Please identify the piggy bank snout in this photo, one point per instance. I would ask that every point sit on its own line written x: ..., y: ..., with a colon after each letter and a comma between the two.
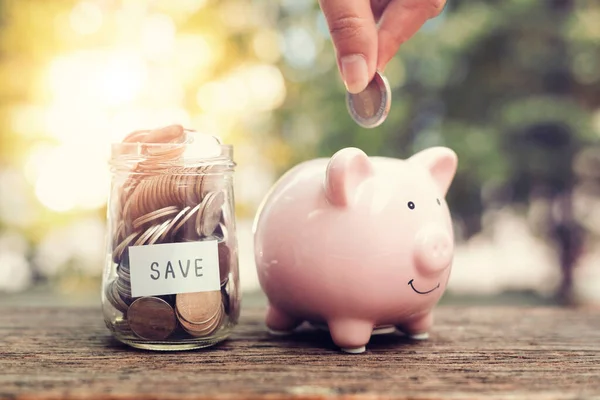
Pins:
x: 433, y: 251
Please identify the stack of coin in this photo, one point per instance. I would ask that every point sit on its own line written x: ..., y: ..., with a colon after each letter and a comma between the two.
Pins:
x: 177, y: 222
x: 200, y: 314
x: 114, y: 297
x: 162, y: 202
x: 123, y: 282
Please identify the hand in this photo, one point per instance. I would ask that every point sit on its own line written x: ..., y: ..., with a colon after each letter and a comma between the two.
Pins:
x: 367, y: 33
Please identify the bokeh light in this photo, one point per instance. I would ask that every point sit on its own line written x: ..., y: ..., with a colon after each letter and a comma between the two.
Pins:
x: 512, y: 87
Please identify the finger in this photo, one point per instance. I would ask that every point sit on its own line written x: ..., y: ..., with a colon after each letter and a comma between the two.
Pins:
x: 378, y: 6
x: 354, y: 35
x: 400, y: 21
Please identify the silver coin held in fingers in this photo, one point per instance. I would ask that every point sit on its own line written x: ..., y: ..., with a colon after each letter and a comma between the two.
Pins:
x: 370, y: 107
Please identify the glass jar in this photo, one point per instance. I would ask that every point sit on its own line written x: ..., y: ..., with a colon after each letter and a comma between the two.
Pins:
x: 171, y: 277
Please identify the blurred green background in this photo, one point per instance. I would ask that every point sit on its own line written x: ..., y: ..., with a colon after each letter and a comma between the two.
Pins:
x: 513, y: 86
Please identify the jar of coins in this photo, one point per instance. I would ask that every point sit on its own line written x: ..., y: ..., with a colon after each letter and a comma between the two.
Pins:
x: 171, y: 275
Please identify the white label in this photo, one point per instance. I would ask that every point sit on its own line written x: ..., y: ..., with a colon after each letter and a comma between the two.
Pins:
x: 172, y: 268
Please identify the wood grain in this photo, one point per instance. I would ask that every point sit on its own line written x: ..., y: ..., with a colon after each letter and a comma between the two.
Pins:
x: 486, y: 352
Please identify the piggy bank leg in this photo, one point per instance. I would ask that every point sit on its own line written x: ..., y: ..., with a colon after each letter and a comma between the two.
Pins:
x: 351, y: 335
x: 418, y: 328
x: 279, y: 323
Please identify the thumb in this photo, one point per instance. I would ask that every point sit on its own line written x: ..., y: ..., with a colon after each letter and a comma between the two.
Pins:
x: 400, y: 21
x: 354, y: 34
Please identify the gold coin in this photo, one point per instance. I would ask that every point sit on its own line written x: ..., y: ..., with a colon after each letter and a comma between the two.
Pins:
x: 198, y: 307
x: 151, y: 318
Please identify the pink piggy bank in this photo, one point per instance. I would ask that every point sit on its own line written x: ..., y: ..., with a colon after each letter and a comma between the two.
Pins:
x: 357, y: 244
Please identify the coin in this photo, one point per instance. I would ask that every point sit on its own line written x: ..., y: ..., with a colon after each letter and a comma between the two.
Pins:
x: 155, y: 215
x: 208, y: 220
x: 224, y: 260
x: 197, y: 325
x: 370, y: 107
x: 199, y: 181
x: 198, y: 307
x: 154, y: 239
x: 211, y: 183
x: 233, y: 294
x: 212, y: 326
x: 225, y: 297
x: 167, y: 134
x: 118, y: 234
x: 120, y: 249
x: 113, y: 297
x: 185, y: 219
x: 203, y: 329
x: 122, y: 326
x: 123, y: 274
x: 146, y: 235
x: 151, y: 318
x: 167, y: 231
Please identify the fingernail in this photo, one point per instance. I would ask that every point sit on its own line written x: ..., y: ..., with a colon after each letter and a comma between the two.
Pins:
x: 355, y: 73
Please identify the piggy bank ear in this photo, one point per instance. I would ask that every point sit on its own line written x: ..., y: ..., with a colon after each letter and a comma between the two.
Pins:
x: 346, y: 170
x: 441, y: 162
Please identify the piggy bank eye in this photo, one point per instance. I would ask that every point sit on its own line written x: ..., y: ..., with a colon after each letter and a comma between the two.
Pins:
x: 439, y: 202
x: 411, y: 205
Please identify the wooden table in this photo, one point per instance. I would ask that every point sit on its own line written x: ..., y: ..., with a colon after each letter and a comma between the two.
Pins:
x: 486, y: 352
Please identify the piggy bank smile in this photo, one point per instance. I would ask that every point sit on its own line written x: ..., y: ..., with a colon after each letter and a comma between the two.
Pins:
x: 410, y: 283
